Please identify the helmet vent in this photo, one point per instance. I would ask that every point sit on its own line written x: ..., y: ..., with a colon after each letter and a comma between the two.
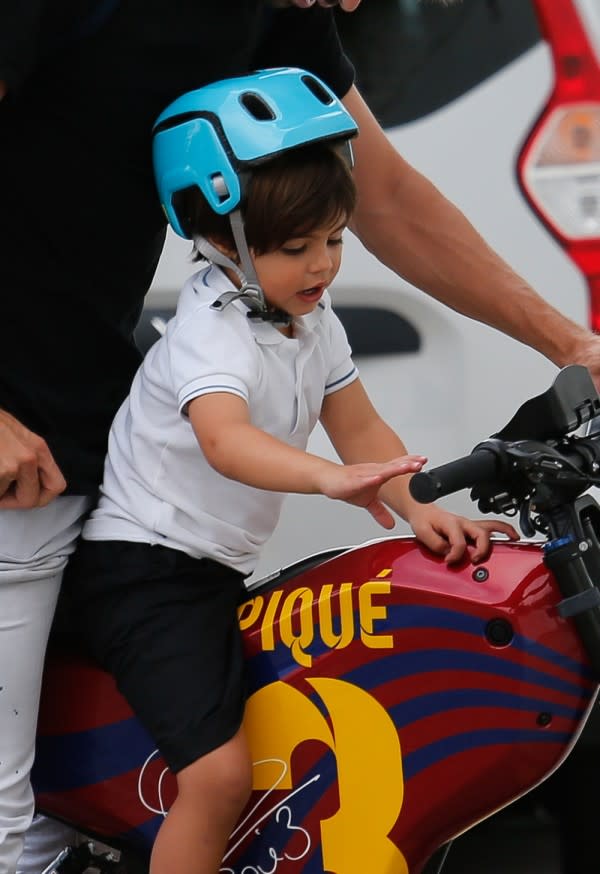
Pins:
x: 257, y: 107
x: 317, y: 90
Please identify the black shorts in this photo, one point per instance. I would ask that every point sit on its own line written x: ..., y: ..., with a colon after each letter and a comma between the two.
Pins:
x: 165, y: 625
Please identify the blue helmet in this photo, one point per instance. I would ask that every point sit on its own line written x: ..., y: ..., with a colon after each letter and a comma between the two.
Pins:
x: 211, y: 137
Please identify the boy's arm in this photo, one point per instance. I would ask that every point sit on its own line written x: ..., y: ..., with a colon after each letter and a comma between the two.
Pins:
x: 358, y: 432
x: 239, y: 451
x: 242, y: 452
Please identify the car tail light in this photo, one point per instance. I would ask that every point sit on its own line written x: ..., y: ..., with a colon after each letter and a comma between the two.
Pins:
x: 559, y: 166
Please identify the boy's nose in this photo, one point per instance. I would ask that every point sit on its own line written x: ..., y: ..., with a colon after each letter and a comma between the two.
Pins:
x: 322, y: 261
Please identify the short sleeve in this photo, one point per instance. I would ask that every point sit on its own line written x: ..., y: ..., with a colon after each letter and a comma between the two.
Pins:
x: 342, y: 371
x: 306, y: 38
x: 212, y: 351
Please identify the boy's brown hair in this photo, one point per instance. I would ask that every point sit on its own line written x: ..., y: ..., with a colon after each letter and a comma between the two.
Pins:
x: 288, y: 196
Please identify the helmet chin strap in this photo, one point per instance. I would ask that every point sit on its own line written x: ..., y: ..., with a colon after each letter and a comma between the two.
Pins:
x: 250, y: 291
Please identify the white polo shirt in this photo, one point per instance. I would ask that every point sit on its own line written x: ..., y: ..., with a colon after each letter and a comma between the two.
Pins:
x: 158, y: 487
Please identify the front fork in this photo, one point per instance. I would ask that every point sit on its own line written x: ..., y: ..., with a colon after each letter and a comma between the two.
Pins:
x: 573, y: 556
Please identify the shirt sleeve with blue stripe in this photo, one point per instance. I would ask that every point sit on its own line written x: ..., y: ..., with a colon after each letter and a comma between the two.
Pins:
x: 209, y: 352
x: 343, y: 371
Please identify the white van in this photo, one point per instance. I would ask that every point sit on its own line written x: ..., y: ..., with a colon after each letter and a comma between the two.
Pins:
x: 498, y: 102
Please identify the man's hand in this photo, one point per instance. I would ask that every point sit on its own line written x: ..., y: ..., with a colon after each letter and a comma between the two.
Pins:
x: 359, y: 484
x: 587, y: 353
x: 29, y: 476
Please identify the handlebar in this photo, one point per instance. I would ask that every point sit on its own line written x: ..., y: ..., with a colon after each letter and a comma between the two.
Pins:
x: 539, y: 467
x: 507, y: 476
x: 536, y: 458
x: 481, y: 466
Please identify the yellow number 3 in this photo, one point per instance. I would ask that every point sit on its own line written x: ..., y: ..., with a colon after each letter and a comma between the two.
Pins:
x: 369, y: 767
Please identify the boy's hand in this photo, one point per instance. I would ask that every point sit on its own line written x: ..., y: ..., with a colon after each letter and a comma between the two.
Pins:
x: 450, y: 535
x: 359, y: 484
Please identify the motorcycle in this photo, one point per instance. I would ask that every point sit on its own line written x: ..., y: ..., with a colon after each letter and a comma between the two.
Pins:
x: 394, y: 701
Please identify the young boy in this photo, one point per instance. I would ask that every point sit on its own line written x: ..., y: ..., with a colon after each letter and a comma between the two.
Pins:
x: 215, y: 429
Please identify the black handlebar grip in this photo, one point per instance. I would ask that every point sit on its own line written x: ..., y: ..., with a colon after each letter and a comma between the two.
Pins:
x: 480, y: 466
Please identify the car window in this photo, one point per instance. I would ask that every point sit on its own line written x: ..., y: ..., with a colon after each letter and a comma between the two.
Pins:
x: 415, y: 56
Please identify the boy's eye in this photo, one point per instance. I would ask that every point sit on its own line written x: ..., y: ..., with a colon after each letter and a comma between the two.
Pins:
x: 299, y: 248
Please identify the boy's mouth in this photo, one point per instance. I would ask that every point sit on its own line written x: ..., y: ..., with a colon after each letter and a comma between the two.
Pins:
x: 312, y: 293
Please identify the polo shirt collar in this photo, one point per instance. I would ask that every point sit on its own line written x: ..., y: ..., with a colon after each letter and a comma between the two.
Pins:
x: 265, y: 332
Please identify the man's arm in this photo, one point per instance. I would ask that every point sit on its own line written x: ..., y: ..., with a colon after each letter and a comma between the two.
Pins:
x: 412, y: 228
x: 29, y: 476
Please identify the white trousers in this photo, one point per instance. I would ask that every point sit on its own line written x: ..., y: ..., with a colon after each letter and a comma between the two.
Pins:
x: 34, y: 546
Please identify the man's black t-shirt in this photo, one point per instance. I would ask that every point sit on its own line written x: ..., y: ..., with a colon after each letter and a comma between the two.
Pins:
x: 81, y: 228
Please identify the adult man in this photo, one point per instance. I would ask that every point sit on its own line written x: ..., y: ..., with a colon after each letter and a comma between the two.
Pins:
x: 83, y: 80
